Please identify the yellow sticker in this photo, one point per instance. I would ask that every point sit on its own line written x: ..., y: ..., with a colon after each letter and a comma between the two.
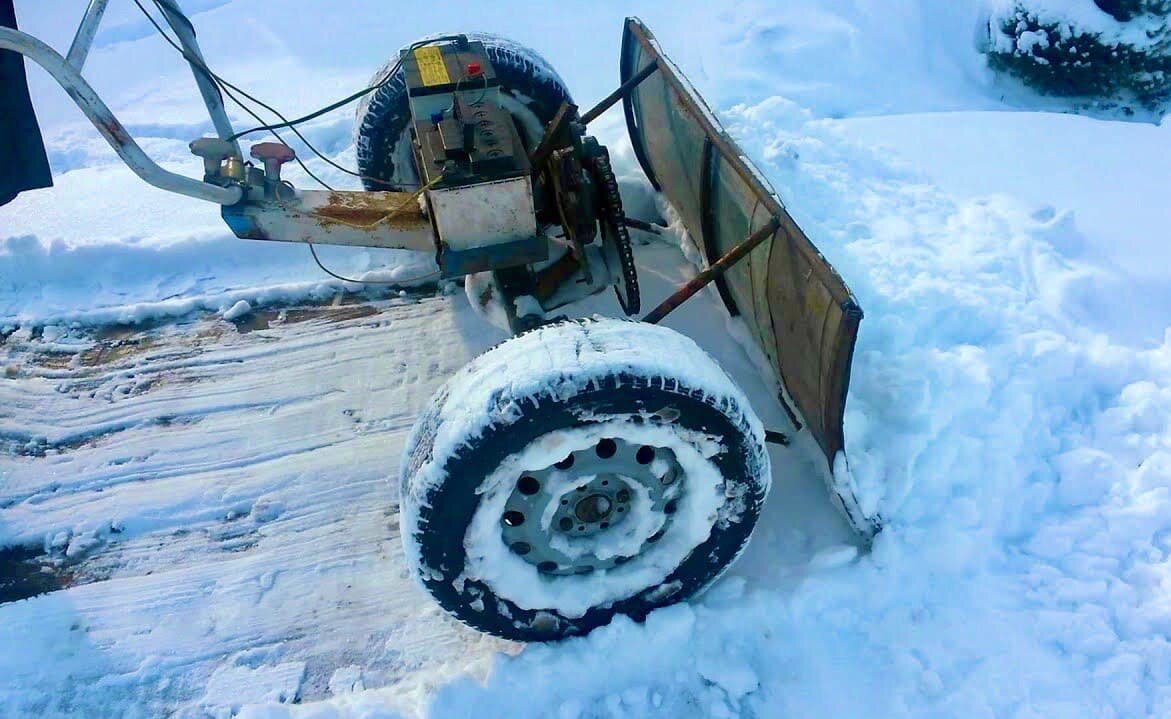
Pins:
x: 432, y: 69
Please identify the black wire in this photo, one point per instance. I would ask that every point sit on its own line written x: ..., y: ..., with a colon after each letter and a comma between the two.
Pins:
x: 331, y: 273
x: 219, y: 80
x: 222, y: 87
x: 350, y: 98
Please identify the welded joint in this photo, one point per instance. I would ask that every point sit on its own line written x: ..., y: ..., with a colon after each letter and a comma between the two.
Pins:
x: 721, y: 266
x: 623, y: 90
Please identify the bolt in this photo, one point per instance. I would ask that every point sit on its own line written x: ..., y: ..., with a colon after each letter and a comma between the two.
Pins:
x: 593, y: 508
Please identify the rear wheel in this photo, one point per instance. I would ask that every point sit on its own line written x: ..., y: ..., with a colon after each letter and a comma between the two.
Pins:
x: 579, y: 471
x: 530, y: 90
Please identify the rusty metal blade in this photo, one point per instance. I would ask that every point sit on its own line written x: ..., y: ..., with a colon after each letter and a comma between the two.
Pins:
x: 797, y: 307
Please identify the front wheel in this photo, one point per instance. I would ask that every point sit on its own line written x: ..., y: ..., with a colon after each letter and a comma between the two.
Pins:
x: 579, y: 471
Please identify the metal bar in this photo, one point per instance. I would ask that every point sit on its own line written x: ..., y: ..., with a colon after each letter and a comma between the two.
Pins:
x: 553, y: 131
x: 99, y: 114
x: 642, y: 225
x: 622, y: 91
x: 84, y: 39
x: 721, y: 266
x: 773, y: 437
x: 625, y: 68
x: 356, y: 219
x: 709, y: 167
x: 185, y: 31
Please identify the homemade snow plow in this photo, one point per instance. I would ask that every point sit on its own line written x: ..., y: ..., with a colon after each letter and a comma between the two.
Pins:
x: 581, y: 469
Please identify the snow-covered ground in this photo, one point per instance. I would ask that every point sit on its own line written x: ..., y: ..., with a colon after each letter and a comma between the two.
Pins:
x: 217, y: 492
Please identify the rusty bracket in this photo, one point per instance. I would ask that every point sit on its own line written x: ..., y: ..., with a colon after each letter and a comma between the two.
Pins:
x: 725, y: 263
x: 553, y: 133
x: 363, y: 219
x: 622, y: 91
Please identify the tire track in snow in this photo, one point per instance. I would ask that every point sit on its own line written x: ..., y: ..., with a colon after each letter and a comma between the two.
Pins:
x: 254, y: 528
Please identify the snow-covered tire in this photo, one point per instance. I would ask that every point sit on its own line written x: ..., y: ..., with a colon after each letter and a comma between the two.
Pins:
x: 668, y: 461
x: 530, y: 89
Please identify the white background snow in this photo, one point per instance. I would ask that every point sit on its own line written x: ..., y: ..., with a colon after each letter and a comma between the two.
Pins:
x: 1009, y: 415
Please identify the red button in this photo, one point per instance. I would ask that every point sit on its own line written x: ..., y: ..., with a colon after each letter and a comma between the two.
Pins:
x: 474, y: 68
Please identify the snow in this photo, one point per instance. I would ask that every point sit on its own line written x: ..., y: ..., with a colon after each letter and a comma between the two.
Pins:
x: 236, y: 311
x: 1008, y: 417
x: 1074, y: 17
x: 1092, y: 181
x: 512, y: 577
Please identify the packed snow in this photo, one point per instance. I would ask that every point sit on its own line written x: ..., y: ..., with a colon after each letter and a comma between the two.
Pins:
x: 221, y: 491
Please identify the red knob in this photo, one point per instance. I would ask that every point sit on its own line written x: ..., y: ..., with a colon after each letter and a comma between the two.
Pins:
x: 276, y: 151
x: 474, y: 69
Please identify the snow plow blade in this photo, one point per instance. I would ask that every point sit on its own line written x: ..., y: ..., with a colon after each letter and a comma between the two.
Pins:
x: 797, y: 307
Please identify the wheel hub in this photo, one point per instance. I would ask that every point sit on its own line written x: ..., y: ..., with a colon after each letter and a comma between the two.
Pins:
x: 574, y: 517
x: 593, y: 508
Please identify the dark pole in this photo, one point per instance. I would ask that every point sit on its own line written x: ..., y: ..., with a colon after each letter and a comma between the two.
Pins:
x: 552, y: 134
x: 773, y: 437
x: 620, y: 92
x: 721, y: 266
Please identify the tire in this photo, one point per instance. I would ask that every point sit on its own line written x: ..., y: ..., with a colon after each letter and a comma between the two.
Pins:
x: 530, y: 89
x: 639, y: 405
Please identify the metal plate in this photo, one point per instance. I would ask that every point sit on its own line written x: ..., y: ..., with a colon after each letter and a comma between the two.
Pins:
x: 798, y: 308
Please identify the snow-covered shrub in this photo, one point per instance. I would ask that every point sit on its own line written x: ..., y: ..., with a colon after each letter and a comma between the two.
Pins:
x: 1113, y: 52
x: 1123, y: 10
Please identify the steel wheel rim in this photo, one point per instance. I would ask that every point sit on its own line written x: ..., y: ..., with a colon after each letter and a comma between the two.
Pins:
x: 563, y: 518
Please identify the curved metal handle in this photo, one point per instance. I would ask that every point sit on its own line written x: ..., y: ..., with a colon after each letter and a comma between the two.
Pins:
x: 103, y: 119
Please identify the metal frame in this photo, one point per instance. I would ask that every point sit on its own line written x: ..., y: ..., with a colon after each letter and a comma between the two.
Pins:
x: 84, y: 39
x: 714, y: 272
x: 710, y: 169
x: 67, y: 72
